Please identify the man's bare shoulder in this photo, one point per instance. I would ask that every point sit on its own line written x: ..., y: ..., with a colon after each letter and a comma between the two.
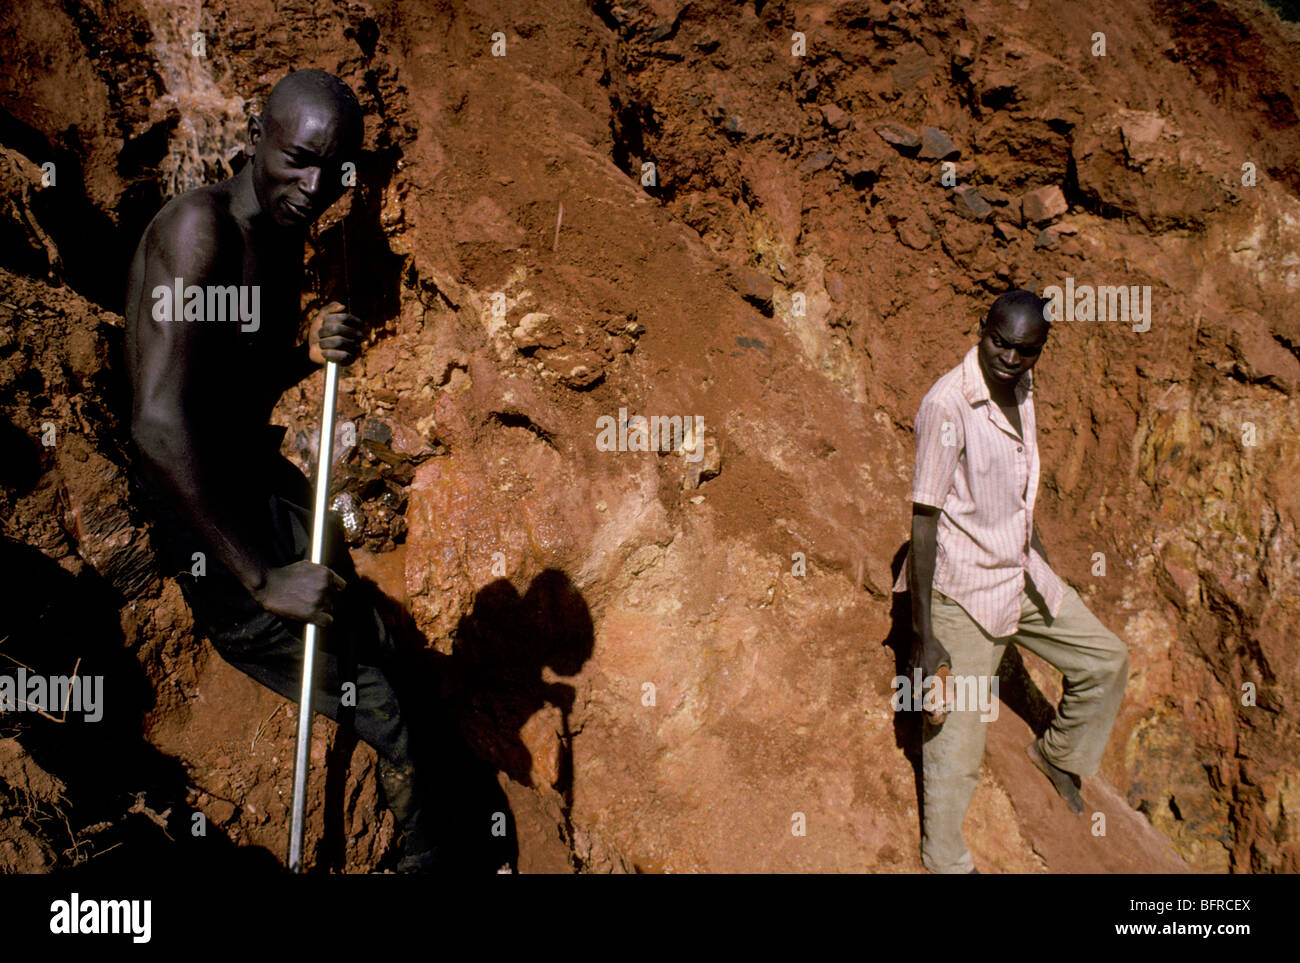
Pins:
x: 192, y: 224
x: 193, y: 237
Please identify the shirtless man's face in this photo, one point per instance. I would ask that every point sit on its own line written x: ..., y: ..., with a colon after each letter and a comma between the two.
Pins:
x: 297, y: 162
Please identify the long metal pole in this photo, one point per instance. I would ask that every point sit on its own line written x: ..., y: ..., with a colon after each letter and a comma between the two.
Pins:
x: 302, y: 756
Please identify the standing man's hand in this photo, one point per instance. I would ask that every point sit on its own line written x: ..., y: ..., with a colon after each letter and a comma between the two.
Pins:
x: 936, y: 667
x: 929, y: 654
x: 335, y: 335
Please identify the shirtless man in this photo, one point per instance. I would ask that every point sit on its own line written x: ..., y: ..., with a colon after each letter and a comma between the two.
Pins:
x: 206, y: 460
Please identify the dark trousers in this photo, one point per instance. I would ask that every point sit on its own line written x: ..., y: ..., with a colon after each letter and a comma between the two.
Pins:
x: 357, y: 648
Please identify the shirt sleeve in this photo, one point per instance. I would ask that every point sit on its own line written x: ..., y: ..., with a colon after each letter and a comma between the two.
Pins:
x: 939, y: 443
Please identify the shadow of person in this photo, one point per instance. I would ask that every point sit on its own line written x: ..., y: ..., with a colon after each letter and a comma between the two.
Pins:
x: 1016, y: 689
x: 908, y: 725
x: 123, y: 796
x: 483, y: 693
x: 496, y: 679
x: 462, y: 789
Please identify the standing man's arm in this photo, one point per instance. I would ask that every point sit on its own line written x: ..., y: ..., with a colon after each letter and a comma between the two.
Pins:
x: 920, y: 581
x: 167, y: 380
x: 1037, y: 546
x: 939, y: 443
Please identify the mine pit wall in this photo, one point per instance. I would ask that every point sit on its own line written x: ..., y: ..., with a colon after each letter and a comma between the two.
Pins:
x: 678, y: 298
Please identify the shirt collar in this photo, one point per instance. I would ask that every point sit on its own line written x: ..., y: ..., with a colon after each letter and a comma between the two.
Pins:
x: 976, y: 390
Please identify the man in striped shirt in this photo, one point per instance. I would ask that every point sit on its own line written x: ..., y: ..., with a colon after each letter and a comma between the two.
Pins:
x: 979, y: 578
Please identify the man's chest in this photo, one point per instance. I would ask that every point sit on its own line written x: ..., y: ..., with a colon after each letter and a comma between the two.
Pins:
x: 255, y: 330
x: 268, y: 296
x: 1011, y: 412
x: 1000, y: 456
x: 277, y: 272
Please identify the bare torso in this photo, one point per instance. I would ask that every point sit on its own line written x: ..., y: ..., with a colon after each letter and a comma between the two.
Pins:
x: 233, y: 375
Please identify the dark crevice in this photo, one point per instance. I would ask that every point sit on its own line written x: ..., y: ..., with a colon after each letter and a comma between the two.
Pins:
x: 352, y: 260
x: 1287, y: 343
x: 514, y: 419
x: 998, y: 98
x: 366, y: 36
x: 606, y: 15
x: 629, y: 125
x: 95, y: 253
x: 864, y: 180
x: 1077, y: 197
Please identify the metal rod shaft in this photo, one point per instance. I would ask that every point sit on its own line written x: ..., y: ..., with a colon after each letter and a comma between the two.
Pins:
x: 302, y: 755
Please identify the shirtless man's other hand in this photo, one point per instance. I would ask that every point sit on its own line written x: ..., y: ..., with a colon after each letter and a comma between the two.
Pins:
x: 303, y: 591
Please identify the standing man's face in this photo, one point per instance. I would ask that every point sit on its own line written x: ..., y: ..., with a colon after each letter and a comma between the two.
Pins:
x: 1010, y: 345
x: 298, y: 162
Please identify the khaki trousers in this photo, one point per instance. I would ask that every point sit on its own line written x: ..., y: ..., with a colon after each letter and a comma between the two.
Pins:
x: 1094, y: 664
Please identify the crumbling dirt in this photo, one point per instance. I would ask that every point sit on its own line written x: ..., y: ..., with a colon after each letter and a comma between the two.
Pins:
x: 654, y: 663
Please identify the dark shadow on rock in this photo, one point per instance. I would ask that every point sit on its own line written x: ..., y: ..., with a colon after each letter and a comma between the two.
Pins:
x: 94, y: 252
x: 464, y: 786
x: 908, y: 725
x: 351, y: 260
x: 53, y: 622
x: 332, y: 851
x: 503, y: 646
x: 493, y: 682
x: 22, y: 464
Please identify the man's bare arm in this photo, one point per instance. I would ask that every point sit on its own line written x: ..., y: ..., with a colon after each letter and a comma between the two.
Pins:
x: 930, y: 653
x: 1037, y: 546
x: 183, y: 244
x: 172, y: 447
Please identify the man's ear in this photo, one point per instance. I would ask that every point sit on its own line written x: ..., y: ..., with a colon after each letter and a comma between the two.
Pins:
x: 254, y: 133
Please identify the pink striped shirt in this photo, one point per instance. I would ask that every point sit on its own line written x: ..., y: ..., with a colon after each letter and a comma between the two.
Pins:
x: 971, y: 464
